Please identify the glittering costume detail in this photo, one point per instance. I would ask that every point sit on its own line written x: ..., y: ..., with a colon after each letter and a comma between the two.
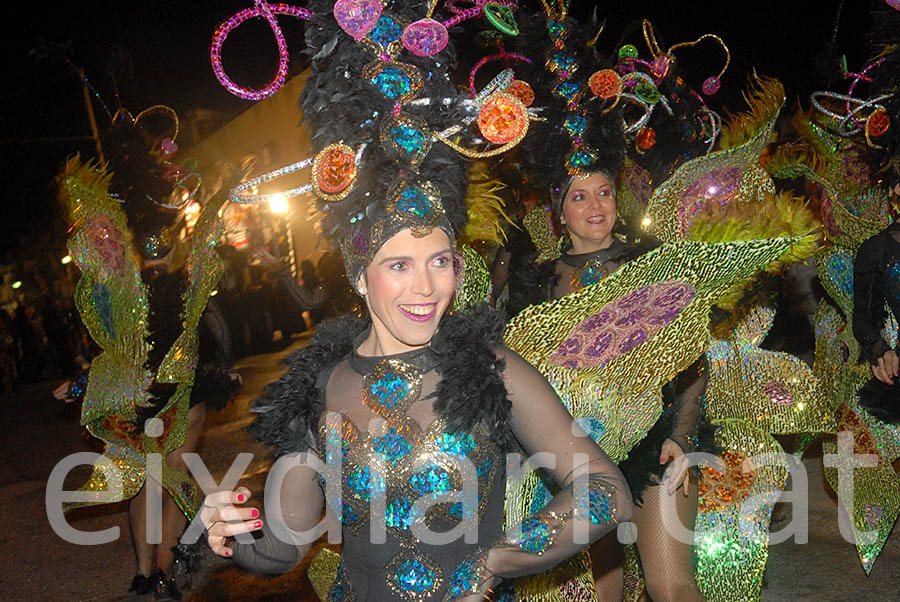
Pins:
x: 538, y: 532
x: 413, y: 577
x: 113, y: 302
x: 855, y: 209
x: 722, y: 177
x: 591, y: 273
x: 537, y: 222
x: 731, y: 538
x: 476, y: 279
x: 623, y: 324
x: 468, y: 577
x: 392, y: 387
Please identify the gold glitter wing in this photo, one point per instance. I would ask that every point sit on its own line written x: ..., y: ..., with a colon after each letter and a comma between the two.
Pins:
x: 537, y: 223
x: 204, y: 269
x: 876, y: 490
x: 110, y: 295
x: 722, y: 177
x: 663, y: 296
x: 770, y: 390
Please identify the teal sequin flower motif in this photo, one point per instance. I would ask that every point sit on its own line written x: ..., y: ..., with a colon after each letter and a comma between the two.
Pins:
x: 535, y: 536
x: 410, y: 139
x: 431, y: 479
x: 414, y: 202
x: 393, y: 446
x: 575, y: 124
x: 457, y: 444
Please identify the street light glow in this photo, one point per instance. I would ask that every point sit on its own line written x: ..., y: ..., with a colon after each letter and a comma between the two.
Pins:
x: 278, y: 203
x: 17, y: 284
x: 65, y: 260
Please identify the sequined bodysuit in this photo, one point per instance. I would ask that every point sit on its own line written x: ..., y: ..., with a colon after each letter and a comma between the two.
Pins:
x: 399, y: 458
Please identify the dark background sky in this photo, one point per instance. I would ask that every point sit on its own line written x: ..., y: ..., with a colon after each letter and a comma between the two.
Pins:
x: 168, y: 45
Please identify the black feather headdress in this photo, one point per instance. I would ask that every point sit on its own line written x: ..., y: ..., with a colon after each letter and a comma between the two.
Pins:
x: 582, y: 132
x: 385, y: 121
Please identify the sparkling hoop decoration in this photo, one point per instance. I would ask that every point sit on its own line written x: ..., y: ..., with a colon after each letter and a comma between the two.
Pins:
x: 493, y: 10
x: 268, y: 12
x: 235, y: 195
x: 501, y: 81
x: 849, y: 124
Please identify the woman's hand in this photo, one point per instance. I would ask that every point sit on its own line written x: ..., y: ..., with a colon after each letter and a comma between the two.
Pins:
x: 887, y: 368
x: 62, y: 392
x: 223, y: 521
x: 679, y: 471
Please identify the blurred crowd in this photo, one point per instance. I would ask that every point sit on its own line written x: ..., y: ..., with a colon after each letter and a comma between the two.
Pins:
x: 259, y: 306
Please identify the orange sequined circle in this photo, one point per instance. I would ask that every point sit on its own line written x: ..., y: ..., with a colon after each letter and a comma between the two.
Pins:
x: 878, y: 123
x: 335, y: 168
x: 521, y: 90
x: 502, y: 119
x: 719, y: 490
x: 645, y: 139
x: 605, y: 84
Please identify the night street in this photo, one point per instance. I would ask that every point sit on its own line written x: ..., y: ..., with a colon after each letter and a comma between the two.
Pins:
x: 38, y: 565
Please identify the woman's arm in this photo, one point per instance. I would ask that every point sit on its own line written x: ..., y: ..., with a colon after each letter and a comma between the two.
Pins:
x: 281, y: 541
x: 593, y: 496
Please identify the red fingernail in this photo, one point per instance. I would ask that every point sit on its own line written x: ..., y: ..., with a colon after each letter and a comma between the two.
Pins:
x: 255, y: 513
x: 257, y: 524
x: 240, y: 497
x: 228, y: 552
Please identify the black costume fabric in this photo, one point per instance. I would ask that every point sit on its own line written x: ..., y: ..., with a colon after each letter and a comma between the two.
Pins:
x: 475, y: 400
x: 876, y: 283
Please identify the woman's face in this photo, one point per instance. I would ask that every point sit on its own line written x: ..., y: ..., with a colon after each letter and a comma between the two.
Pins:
x: 407, y: 288
x: 589, y: 212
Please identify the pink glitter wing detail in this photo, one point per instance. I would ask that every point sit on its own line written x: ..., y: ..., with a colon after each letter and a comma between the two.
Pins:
x: 624, y: 324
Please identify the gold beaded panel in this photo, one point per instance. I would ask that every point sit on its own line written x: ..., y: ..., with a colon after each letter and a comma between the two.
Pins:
x: 731, y: 539
x: 771, y: 390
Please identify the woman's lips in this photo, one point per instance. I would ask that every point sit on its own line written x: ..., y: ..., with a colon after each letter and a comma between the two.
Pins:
x: 418, y: 312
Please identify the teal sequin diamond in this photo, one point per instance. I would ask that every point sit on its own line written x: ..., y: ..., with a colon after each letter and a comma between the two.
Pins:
x: 387, y: 30
x: 392, y: 82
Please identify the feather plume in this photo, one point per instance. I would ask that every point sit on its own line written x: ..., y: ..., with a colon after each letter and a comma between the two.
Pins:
x: 765, y: 97
x: 780, y: 215
x: 484, y: 206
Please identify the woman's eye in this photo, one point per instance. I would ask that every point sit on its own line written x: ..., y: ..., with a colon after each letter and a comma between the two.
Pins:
x: 441, y: 262
x: 578, y: 196
x: 398, y: 266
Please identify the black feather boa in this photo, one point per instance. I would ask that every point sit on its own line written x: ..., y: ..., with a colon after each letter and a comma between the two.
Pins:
x: 471, y: 390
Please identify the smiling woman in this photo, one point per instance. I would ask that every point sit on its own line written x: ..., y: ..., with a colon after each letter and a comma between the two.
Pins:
x: 412, y: 407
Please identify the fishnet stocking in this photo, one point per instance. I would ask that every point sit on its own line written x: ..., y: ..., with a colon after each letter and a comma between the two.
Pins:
x: 668, y: 564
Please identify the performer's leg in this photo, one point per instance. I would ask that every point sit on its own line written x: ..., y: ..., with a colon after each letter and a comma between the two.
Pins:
x: 668, y: 564
x: 607, y: 561
x: 137, y: 522
x: 173, y: 518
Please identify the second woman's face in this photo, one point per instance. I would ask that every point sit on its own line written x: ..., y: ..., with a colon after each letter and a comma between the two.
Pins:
x: 589, y: 212
x: 408, y: 287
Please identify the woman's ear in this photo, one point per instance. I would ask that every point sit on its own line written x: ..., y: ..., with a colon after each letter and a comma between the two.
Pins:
x: 361, y: 284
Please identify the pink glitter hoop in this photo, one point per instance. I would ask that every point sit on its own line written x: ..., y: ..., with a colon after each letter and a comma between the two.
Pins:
x: 502, y: 55
x: 268, y: 12
x: 474, y: 11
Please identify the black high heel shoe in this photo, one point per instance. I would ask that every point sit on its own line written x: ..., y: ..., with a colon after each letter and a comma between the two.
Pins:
x: 141, y: 585
x: 163, y: 588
